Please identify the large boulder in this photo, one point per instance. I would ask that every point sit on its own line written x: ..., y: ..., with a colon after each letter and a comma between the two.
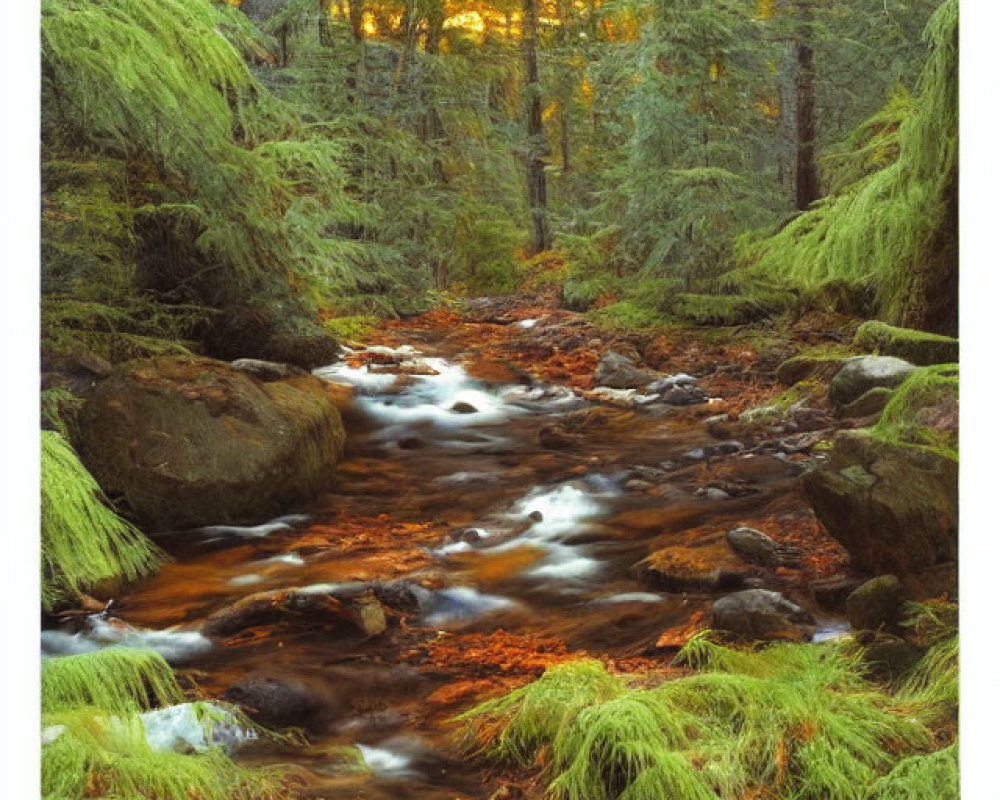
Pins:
x: 762, y: 614
x: 618, y: 372
x: 892, y: 505
x: 278, y: 331
x: 917, y: 347
x: 861, y: 374
x: 193, y: 441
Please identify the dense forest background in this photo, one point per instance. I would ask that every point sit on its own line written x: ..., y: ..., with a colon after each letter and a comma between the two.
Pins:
x: 695, y: 160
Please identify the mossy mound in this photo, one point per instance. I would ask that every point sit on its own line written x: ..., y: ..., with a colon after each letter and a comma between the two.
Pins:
x: 800, y: 368
x: 917, y: 347
x: 728, y: 310
x: 192, y: 441
x: 923, y: 411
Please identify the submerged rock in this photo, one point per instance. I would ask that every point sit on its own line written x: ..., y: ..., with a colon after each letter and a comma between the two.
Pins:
x: 754, y: 546
x: 274, y: 702
x: 189, y: 442
x: 692, y: 568
x: 618, y: 372
x: 762, y: 614
x: 861, y: 374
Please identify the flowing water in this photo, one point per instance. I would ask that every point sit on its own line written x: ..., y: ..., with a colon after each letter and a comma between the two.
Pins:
x: 510, y: 545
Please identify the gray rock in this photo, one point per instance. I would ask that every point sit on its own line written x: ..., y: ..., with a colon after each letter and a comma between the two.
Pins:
x: 684, y: 396
x: 618, y: 372
x: 762, y: 614
x: 462, y: 407
x: 275, y: 702
x: 670, y: 382
x: 861, y: 374
x: 753, y: 546
x: 871, y: 402
x: 266, y: 370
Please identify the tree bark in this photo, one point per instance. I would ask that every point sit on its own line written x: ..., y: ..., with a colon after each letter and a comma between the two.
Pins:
x: 806, y: 174
x: 356, y: 14
x: 537, y: 196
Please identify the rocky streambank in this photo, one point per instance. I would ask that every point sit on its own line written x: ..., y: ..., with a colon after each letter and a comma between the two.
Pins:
x: 519, y: 488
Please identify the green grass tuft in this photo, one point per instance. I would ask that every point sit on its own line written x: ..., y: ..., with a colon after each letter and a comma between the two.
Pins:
x: 83, y: 541
x: 117, y: 680
x: 920, y: 777
x: 791, y: 720
x: 923, y: 411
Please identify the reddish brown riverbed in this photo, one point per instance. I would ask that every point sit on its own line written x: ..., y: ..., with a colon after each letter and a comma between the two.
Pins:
x: 532, y: 593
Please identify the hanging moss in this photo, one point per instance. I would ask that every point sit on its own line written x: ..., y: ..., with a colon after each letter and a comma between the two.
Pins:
x: 896, y: 226
x: 120, y: 681
x: 83, y: 541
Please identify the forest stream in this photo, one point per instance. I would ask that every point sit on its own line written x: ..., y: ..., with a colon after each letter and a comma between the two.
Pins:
x: 506, y: 516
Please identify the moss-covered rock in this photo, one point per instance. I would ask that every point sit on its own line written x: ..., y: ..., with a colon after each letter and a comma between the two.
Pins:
x: 193, y: 441
x: 917, y: 347
x: 892, y: 505
x: 871, y: 402
x: 800, y: 368
x: 877, y: 604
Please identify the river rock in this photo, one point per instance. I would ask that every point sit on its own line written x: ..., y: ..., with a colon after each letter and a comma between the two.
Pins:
x: 189, y: 442
x: 762, y: 614
x: 877, y: 604
x: 684, y: 396
x: 754, y: 546
x: 893, y: 506
x: 703, y: 568
x: 275, y: 702
x: 860, y: 374
x: 618, y: 372
x: 461, y: 407
x: 357, y: 608
x: 277, y: 331
x: 871, y: 402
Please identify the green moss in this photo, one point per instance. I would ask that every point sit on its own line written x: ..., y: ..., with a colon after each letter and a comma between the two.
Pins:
x: 917, y: 347
x: 796, y: 721
x: 120, y: 681
x: 626, y: 315
x: 355, y: 328
x: 728, y: 310
x: 918, y: 777
x: 923, y: 411
x: 83, y: 541
x: 98, y: 756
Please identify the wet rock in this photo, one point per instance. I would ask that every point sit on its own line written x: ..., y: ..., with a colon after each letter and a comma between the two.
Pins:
x: 508, y: 791
x: 681, y: 568
x: 363, y: 613
x: 408, y: 368
x: 762, y: 614
x: 861, y: 374
x: 671, y: 382
x: 189, y: 442
x: 637, y: 485
x: 267, y: 370
x: 618, y: 372
x: 275, y: 702
x: 871, y: 402
x: 462, y: 407
x: 877, y: 604
x: 556, y: 437
x: 405, y: 596
x: 917, y: 347
x: 754, y: 546
x: 710, y: 451
x: 831, y: 593
x: 893, y: 506
x: 684, y: 396
x: 411, y: 443
x: 712, y: 493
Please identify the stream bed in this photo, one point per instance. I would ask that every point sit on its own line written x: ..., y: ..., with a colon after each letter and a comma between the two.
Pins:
x: 510, y: 512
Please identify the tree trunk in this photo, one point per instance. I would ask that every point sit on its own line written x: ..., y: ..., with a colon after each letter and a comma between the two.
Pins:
x: 537, y: 200
x: 323, y: 24
x: 797, y: 86
x: 356, y: 14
